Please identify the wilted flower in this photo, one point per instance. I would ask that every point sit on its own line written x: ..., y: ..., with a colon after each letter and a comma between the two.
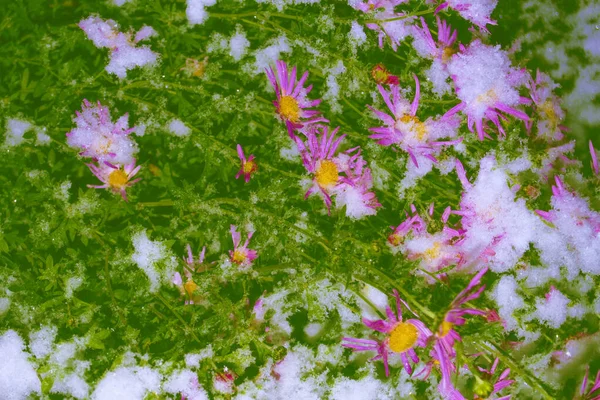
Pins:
x: 241, y: 255
x: 248, y: 165
x: 402, y: 337
x: 124, y: 55
x: 194, y: 67
x: 381, y: 75
x: 115, y: 178
x: 548, y: 107
x: 292, y: 104
x: 101, y: 139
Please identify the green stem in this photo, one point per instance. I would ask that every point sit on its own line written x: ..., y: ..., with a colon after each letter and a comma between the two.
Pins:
x: 415, y: 14
x: 179, y: 317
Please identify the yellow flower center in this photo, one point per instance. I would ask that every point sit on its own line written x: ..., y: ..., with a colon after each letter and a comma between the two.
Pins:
x: 249, y: 167
x: 103, y: 146
x: 403, y: 337
x: 394, y: 239
x: 190, y: 286
x: 118, y: 179
x: 327, y: 174
x: 417, y: 126
x: 548, y: 109
x: 445, y: 328
x: 238, y: 257
x: 490, y: 97
x: 447, y: 54
x: 289, y: 109
x: 433, y: 252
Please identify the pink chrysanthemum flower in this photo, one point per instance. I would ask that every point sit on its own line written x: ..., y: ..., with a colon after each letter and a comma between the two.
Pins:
x: 116, y: 178
x: 476, y: 11
x: 124, y: 55
x: 595, y: 166
x: 488, y: 386
x: 548, y: 107
x: 353, y: 192
x: 241, y: 255
x: 249, y: 166
x: 413, y: 222
x: 292, y: 104
x: 318, y: 157
x: 577, y: 229
x: 440, y: 52
x: 486, y: 84
x: 402, y: 337
x: 101, y: 139
x: 589, y: 394
x: 446, y: 334
x: 383, y: 10
x: 433, y: 251
x: 426, y: 46
x: 421, y: 140
x: 191, y: 265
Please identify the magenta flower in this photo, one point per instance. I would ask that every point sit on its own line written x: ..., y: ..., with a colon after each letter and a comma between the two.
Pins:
x: 577, y: 230
x: 241, y: 255
x: 412, y: 223
x: 421, y: 140
x: 292, y: 104
x: 476, y: 11
x: 116, y: 178
x: 249, y: 166
x: 383, y: 11
x: 433, y: 251
x: 594, y: 155
x: 318, y: 159
x: 589, y: 395
x: 548, y: 107
x: 189, y: 287
x: 124, y: 55
x: 353, y: 191
x: 426, y: 46
x: 402, y: 337
x: 101, y: 139
x: 446, y: 334
x: 486, y: 84
x: 189, y: 260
